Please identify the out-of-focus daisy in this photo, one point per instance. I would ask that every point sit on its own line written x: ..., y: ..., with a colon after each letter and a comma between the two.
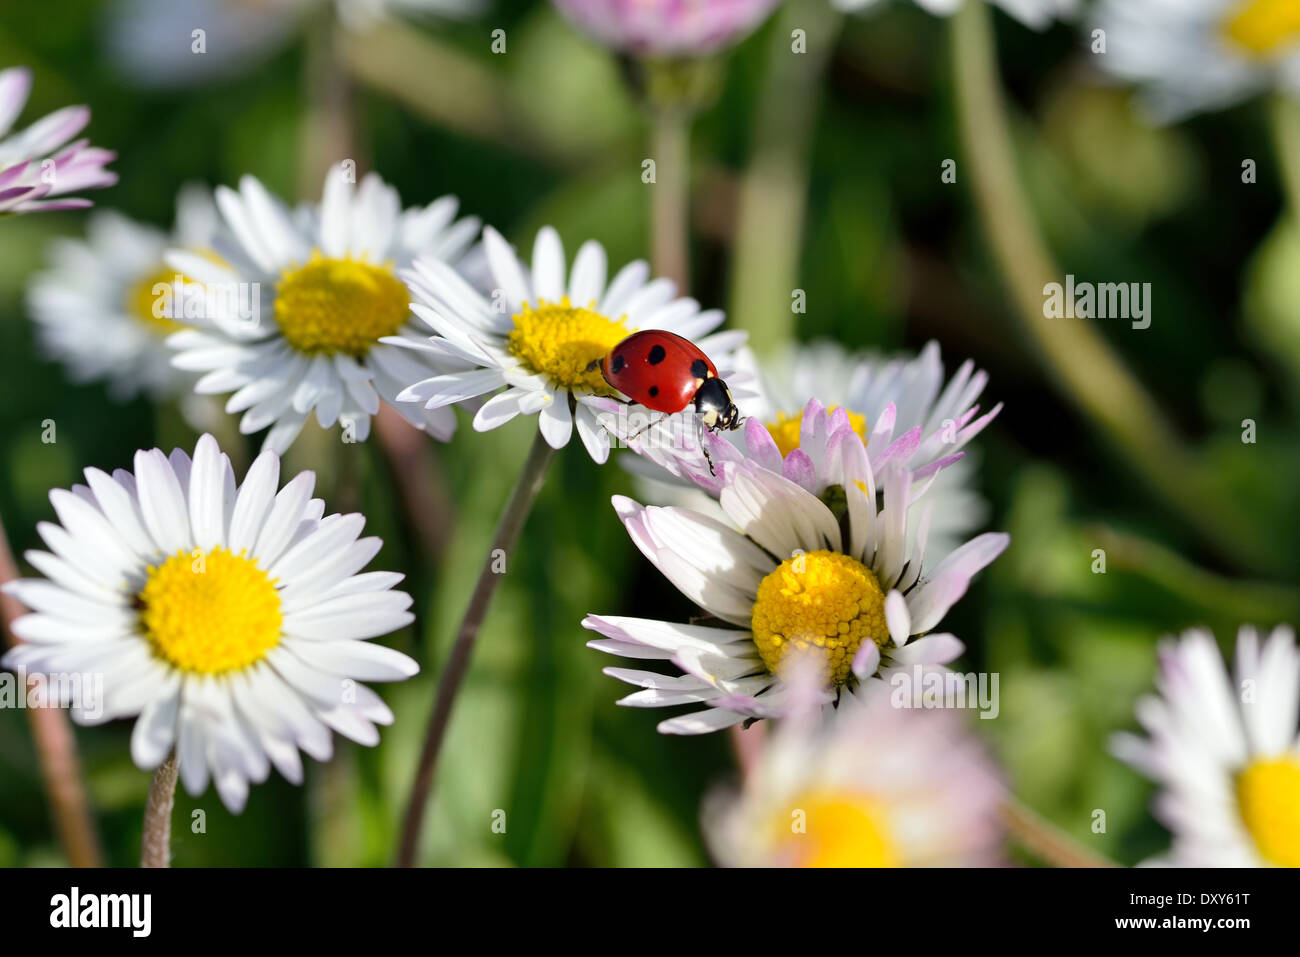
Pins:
x: 153, y: 41
x: 539, y: 334
x: 667, y: 28
x: 40, y: 163
x: 789, y: 571
x: 1224, y: 751
x: 301, y: 311
x: 1201, y: 54
x: 899, y: 407
x: 101, y: 307
x: 231, y: 620
x: 1038, y: 14
x: 868, y: 785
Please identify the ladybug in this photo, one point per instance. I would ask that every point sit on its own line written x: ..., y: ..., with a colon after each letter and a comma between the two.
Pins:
x: 665, y: 373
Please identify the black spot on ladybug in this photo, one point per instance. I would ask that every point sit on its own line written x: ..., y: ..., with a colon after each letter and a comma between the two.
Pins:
x: 699, y: 369
x: 617, y: 365
x: 656, y: 356
x: 654, y: 391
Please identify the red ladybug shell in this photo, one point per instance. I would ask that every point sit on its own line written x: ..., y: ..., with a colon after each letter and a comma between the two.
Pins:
x: 659, y: 370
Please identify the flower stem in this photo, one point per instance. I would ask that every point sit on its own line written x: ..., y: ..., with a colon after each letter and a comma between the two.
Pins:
x: 774, y: 190
x: 328, y: 134
x: 1045, y: 840
x: 56, y: 749
x: 670, y: 198
x: 1286, y: 131
x: 1085, y: 367
x: 155, y: 845
x: 453, y: 674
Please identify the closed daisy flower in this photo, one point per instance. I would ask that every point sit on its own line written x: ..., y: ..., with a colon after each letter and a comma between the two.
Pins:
x: 868, y: 785
x: 667, y: 28
x: 300, y: 313
x: 230, y: 621
x: 1039, y: 14
x: 101, y: 307
x: 534, y: 342
x: 1201, y: 54
x: 39, y: 163
x: 787, y: 571
x: 1224, y: 751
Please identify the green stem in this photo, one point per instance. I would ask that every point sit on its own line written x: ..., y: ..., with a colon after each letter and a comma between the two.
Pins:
x: 774, y: 189
x: 1286, y: 131
x: 670, y: 196
x: 504, y: 539
x: 1083, y: 365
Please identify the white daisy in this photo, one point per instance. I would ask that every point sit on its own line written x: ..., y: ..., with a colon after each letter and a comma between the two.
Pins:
x: 39, y: 163
x: 231, y: 620
x: 789, y: 571
x: 98, y: 308
x: 899, y: 407
x: 1194, y: 55
x: 539, y: 332
x: 1223, y: 749
x: 152, y: 42
x: 1038, y: 14
x: 868, y: 785
x: 301, y: 311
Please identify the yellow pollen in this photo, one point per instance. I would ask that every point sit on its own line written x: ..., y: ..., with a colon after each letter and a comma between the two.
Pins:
x: 339, y: 306
x: 1268, y: 795
x: 821, y: 602
x: 838, y: 829
x: 560, y: 340
x: 146, y: 296
x: 1263, y: 28
x: 785, y: 430
x: 210, y: 613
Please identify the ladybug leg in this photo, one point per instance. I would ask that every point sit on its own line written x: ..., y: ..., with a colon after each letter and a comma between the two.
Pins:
x: 646, y: 428
x: 593, y: 365
x: 699, y: 433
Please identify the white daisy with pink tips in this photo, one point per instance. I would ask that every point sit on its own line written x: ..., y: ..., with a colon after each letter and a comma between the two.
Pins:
x: 40, y: 166
x: 801, y: 405
x: 870, y: 785
x: 788, y: 570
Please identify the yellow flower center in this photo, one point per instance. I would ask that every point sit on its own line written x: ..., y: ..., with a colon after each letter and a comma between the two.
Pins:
x: 821, y: 602
x: 1264, y: 28
x: 785, y: 430
x: 147, y: 303
x: 1268, y: 794
x: 838, y: 829
x: 333, y: 306
x: 210, y: 612
x: 560, y: 341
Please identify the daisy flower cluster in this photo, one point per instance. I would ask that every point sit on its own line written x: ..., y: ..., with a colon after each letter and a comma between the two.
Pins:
x: 821, y: 512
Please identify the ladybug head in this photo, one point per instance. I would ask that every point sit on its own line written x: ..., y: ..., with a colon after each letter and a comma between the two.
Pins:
x: 713, y: 401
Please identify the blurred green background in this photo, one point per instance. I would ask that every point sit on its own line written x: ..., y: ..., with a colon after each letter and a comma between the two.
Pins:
x: 892, y: 257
